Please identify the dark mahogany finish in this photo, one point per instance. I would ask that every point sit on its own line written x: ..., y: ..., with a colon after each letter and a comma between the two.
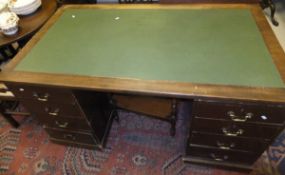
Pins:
x: 239, y: 111
x: 231, y: 133
x: 219, y: 155
x: 82, y: 118
x: 228, y: 143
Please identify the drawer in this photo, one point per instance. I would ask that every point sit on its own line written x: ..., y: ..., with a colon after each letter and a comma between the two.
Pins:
x: 77, y: 137
x: 42, y: 94
x: 234, y: 129
x: 228, y: 143
x: 71, y: 124
x: 53, y: 109
x: 240, y: 112
x: 217, y: 155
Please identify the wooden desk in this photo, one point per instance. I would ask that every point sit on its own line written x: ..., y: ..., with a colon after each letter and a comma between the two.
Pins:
x: 222, y: 58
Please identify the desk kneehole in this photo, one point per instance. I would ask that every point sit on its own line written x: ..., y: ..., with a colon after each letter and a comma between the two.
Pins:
x: 160, y: 108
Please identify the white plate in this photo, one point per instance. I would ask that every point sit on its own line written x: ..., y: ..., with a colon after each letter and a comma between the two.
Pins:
x: 20, y: 3
x: 24, y: 7
x: 27, y: 10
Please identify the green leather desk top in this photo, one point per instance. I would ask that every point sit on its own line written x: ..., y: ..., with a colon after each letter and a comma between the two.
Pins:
x: 213, y: 46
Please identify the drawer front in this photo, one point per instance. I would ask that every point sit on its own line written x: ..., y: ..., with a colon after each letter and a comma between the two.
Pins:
x: 228, y: 143
x: 42, y: 94
x: 53, y: 109
x: 71, y: 136
x: 234, y: 129
x: 240, y: 112
x: 217, y: 155
x: 71, y: 124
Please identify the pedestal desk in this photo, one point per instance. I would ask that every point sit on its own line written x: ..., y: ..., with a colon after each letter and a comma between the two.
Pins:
x: 223, y: 59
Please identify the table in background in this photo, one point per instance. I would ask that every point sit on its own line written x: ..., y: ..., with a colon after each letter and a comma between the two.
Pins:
x: 28, y: 25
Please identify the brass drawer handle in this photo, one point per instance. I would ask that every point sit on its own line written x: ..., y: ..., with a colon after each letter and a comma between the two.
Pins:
x: 219, y: 158
x: 232, y: 133
x: 61, y: 125
x: 51, y: 112
x: 225, y: 146
x: 41, y: 97
x: 69, y: 136
x: 236, y: 118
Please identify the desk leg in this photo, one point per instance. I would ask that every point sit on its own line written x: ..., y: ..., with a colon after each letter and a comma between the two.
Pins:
x: 173, y: 118
x: 268, y: 3
x: 114, y: 109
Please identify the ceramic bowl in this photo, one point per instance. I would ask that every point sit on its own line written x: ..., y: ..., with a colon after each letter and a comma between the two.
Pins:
x: 10, y: 31
x: 9, y: 23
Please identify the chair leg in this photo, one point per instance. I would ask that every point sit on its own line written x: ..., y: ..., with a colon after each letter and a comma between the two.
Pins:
x: 268, y: 3
x: 8, y: 117
x: 272, y: 12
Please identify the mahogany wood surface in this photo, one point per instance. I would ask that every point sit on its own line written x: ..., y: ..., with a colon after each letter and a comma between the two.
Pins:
x: 159, y: 88
x: 230, y: 143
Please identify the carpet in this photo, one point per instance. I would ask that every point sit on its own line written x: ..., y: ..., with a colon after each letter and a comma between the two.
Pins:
x: 137, y: 145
